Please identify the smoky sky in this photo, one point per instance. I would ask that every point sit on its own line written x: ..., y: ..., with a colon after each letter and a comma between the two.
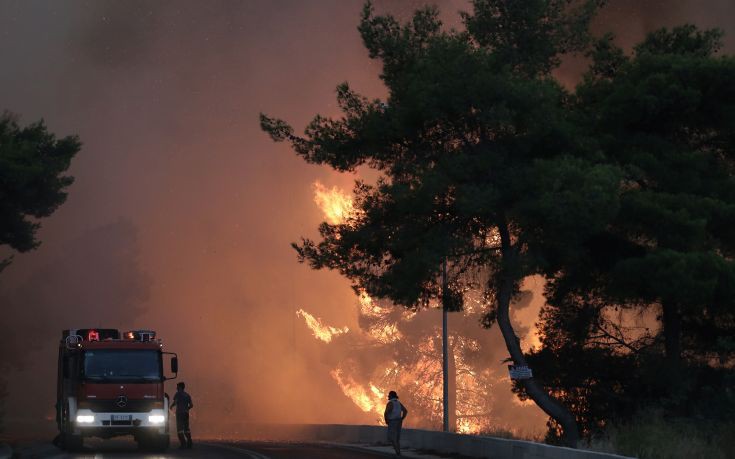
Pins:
x: 95, y: 276
x: 165, y: 96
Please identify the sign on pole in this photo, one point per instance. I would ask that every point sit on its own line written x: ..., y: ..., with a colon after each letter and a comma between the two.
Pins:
x: 520, y: 372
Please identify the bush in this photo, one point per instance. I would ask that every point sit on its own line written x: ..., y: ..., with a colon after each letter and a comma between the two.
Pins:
x: 652, y: 436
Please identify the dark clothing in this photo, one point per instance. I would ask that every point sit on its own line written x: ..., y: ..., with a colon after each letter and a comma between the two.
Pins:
x: 183, y: 402
x: 182, y: 429
x: 183, y: 405
x: 182, y: 423
x: 393, y: 416
x: 394, y: 433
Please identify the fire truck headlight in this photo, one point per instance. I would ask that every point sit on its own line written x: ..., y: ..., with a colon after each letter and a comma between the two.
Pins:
x: 85, y: 418
x: 156, y: 419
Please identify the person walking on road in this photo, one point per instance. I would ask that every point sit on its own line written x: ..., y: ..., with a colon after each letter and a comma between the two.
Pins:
x: 394, y: 415
x: 183, y: 403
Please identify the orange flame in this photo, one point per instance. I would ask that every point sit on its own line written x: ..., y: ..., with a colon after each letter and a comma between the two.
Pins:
x: 473, y: 407
x: 368, y: 307
x: 321, y: 331
x: 336, y: 204
x: 372, y: 399
x: 384, y: 332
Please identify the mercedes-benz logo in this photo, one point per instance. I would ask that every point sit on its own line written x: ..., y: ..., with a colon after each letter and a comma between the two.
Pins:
x: 121, y: 401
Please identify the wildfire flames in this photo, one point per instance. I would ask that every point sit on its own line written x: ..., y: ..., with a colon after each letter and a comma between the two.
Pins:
x: 335, y: 203
x: 410, y: 363
x: 321, y: 331
x: 382, y: 330
x: 368, y: 400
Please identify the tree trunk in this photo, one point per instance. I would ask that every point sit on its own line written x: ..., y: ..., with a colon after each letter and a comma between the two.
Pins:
x: 546, y: 402
x: 672, y: 342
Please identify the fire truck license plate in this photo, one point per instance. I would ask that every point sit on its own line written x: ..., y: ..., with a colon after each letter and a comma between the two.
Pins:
x: 121, y: 417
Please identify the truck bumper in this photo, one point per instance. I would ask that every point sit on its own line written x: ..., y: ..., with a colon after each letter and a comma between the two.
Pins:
x: 90, y: 423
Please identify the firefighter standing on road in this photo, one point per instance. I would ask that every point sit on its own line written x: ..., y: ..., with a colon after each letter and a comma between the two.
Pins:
x: 183, y: 403
x: 394, y: 415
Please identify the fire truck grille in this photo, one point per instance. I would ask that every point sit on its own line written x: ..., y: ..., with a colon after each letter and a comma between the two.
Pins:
x: 113, y: 406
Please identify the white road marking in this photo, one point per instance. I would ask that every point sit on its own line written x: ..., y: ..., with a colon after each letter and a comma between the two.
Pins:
x: 252, y: 454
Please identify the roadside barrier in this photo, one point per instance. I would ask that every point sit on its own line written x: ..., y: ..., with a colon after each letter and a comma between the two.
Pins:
x: 427, y: 440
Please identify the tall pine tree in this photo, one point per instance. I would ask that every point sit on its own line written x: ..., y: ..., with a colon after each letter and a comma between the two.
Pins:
x: 481, y: 163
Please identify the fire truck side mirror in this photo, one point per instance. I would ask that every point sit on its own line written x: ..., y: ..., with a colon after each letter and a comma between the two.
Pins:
x: 174, y: 365
x: 65, y: 367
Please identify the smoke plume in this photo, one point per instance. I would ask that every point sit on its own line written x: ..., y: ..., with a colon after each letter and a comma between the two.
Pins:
x: 165, y: 96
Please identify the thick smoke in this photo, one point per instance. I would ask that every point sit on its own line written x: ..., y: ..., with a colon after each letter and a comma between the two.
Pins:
x: 165, y: 97
x: 92, y: 280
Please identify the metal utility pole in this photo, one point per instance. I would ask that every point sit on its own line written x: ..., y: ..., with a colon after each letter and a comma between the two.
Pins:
x: 445, y: 353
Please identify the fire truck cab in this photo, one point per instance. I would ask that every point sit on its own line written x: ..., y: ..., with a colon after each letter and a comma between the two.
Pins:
x: 111, y: 384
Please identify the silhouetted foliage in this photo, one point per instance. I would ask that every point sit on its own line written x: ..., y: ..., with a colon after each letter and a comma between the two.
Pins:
x: 32, y: 184
x: 666, y: 117
x: 621, y: 195
x: 481, y: 163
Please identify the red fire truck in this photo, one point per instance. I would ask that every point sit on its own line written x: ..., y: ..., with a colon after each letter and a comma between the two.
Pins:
x: 110, y: 384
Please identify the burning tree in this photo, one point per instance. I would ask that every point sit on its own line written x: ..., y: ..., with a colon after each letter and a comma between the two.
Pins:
x: 402, y: 350
x: 411, y: 344
x: 479, y: 159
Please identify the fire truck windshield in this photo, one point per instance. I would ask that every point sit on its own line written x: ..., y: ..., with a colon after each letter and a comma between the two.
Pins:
x: 122, y: 365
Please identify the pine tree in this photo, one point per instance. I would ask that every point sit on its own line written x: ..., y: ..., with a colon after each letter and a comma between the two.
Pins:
x: 481, y: 163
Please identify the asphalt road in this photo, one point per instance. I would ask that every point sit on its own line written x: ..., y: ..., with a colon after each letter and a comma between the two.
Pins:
x: 210, y: 449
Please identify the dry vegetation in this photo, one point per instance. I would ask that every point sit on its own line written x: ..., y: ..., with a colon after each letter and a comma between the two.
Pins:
x: 651, y: 436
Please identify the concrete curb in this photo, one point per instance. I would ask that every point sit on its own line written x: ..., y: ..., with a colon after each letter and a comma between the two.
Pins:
x: 453, y: 444
x: 440, y: 443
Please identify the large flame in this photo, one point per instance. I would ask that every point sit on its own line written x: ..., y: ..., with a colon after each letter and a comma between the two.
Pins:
x: 321, y: 331
x: 420, y: 370
x: 368, y: 399
x: 336, y: 204
x: 382, y: 330
x: 368, y: 307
